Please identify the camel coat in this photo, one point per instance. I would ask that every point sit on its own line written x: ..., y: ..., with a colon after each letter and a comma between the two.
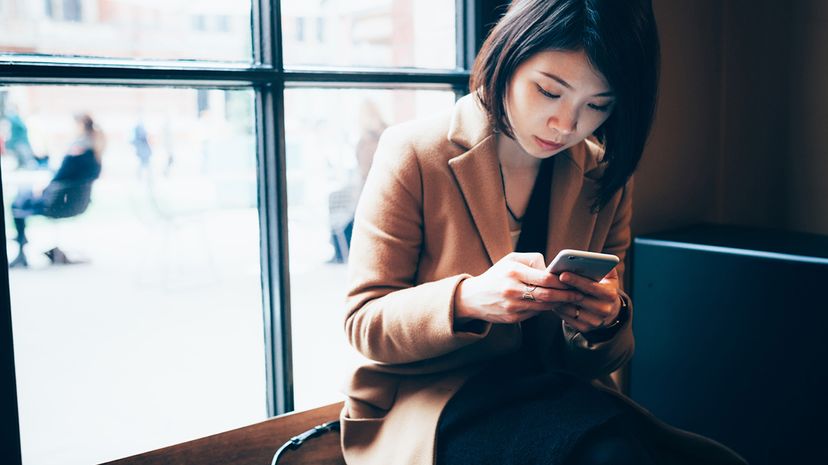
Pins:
x: 433, y: 213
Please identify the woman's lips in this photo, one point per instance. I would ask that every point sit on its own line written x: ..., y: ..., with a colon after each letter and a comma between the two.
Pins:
x: 547, y: 144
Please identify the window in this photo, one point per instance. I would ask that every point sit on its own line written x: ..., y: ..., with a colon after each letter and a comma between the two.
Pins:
x: 199, y: 287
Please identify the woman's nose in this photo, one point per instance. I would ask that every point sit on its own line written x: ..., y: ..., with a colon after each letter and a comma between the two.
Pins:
x: 565, y: 122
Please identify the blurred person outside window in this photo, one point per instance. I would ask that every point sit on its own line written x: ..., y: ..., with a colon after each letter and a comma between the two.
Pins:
x: 342, y: 202
x: 68, y: 193
x: 143, y: 150
x: 18, y: 143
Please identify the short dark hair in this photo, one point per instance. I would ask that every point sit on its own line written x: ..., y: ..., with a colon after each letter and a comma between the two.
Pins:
x: 621, y: 41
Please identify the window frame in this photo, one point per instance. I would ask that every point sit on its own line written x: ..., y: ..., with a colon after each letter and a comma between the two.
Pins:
x: 267, y: 76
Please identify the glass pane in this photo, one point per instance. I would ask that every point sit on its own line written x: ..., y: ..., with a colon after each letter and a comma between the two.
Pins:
x: 149, y: 29
x: 328, y: 156
x: 369, y: 33
x: 141, y: 326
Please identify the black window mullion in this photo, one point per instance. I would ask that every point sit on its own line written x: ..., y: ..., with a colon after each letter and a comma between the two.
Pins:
x: 464, y: 24
x: 273, y: 209
x: 266, y: 23
x: 468, y: 32
x: 274, y: 249
x: 275, y: 36
x: 259, y: 11
x: 374, y: 77
x: 129, y: 73
x: 9, y: 424
x: 460, y: 10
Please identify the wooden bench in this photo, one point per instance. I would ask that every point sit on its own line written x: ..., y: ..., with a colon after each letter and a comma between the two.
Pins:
x: 255, y: 444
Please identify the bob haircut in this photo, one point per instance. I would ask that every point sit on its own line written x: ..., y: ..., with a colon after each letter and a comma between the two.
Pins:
x: 621, y: 41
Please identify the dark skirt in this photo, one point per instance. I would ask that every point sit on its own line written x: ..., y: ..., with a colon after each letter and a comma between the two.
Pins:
x: 514, y: 413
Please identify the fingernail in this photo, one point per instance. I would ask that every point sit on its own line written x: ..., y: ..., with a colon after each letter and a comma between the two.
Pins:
x: 564, y: 277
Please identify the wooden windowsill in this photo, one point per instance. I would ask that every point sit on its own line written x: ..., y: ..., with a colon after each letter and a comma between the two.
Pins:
x: 254, y: 444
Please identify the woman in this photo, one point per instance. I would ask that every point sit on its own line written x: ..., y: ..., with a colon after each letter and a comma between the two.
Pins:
x: 67, y: 194
x: 479, y: 354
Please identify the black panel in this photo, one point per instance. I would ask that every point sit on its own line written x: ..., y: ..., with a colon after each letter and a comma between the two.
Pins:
x: 9, y: 429
x: 730, y: 341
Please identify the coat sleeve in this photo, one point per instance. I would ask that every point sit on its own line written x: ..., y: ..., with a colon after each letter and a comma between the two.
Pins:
x: 600, y: 359
x: 389, y: 318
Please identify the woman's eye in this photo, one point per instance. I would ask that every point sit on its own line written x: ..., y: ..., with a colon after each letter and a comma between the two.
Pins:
x: 547, y: 94
x: 601, y: 108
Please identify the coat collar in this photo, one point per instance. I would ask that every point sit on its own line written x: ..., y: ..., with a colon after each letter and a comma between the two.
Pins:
x: 477, y: 171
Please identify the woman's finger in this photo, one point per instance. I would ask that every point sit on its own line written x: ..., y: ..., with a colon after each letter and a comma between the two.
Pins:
x: 601, y: 308
x: 580, y: 319
x: 544, y: 295
x: 579, y: 325
x: 536, y: 277
x: 601, y: 290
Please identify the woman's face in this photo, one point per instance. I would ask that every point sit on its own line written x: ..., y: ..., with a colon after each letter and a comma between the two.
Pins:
x: 555, y: 100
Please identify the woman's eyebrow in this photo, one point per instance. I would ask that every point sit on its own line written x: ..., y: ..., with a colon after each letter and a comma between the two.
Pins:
x: 608, y: 93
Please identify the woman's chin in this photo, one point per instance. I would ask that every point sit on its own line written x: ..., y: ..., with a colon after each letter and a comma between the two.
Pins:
x: 544, y: 154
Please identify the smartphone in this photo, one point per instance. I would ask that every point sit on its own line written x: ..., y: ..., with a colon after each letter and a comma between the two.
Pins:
x: 592, y: 265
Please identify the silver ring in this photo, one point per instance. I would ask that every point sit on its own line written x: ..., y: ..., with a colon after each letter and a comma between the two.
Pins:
x: 577, y: 313
x: 527, y: 293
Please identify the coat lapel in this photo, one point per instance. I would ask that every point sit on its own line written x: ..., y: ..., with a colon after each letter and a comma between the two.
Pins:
x: 478, y: 174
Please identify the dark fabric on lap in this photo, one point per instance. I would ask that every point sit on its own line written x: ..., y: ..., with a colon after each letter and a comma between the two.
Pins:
x: 619, y: 441
x: 511, y: 413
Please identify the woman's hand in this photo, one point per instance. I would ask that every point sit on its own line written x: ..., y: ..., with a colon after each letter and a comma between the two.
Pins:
x: 600, y: 305
x: 497, y: 296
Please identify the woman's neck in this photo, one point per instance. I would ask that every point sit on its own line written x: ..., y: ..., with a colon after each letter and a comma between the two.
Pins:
x: 518, y: 170
x: 513, y: 157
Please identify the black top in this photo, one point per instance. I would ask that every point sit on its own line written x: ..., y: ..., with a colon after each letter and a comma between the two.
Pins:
x: 535, y: 225
x: 78, y: 168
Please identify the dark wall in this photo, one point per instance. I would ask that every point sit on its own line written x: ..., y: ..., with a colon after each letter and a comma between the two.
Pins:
x: 755, y: 157
x: 676, y: 182
x: 741, y: 117
x: 807, y: 160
